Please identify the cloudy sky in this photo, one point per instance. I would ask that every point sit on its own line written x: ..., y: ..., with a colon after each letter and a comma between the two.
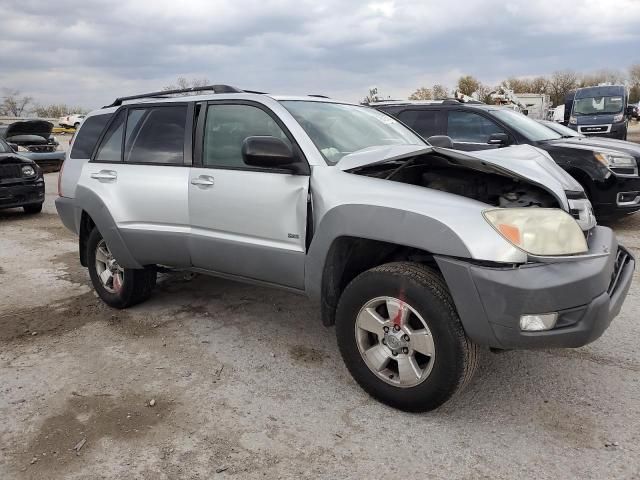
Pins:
x: 88, y: 52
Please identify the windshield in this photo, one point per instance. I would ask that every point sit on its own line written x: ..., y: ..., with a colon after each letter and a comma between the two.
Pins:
x: 338, y: 129
x: 596, y: 105
x: 561, y: 129
x: 4, y: 147
x: 530, y: 129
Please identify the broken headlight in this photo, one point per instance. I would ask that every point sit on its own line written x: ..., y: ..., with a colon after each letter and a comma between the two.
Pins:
x: 538, y: 231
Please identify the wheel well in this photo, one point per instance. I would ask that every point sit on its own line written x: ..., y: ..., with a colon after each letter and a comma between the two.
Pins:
x: 348, y: 257
x: 86, y: 226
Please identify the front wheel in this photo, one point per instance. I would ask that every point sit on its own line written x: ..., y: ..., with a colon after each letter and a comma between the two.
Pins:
x: 33, y: 208
x: 117, y: 286
x: 401, y: 338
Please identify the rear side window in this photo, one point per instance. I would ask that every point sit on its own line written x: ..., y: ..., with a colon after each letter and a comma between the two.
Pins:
x: 110, y: 150
x: 88, y: 136
x: 156, y: 135
x: 425, y: 122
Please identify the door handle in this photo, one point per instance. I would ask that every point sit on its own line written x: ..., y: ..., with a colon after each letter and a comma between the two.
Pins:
x: 202, y: 181
x: 105, y: 175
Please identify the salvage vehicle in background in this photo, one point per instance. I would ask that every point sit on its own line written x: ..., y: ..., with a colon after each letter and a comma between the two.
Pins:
x: 419, y: 255
x: 607, y: 172
x: 33, y: 139
x: 71, y: 121
x: 21, y: 181
x: 600, y: 111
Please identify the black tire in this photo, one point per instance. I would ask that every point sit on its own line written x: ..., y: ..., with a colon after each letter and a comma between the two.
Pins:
x: 422, y: 288
x: 34, y: 208
x: 137, y: 284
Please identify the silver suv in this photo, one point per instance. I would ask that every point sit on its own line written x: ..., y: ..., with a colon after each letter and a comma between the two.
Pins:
x: 418, y: 254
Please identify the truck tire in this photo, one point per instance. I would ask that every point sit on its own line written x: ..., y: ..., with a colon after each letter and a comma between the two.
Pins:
x: 401, y: 338
x: 119, y: 287
x: 33, y: 208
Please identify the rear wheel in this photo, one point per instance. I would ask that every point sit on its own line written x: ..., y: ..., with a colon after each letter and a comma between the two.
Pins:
x: 117, y: 286
x: 401, y: 338
x: 36, y: 208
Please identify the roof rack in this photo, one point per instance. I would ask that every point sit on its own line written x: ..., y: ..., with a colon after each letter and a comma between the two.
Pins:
x: 162, y: 94
x: 317, y: 95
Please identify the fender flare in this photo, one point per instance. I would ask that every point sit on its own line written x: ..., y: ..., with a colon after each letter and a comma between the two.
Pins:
x: 380, y: 223
x: 99, y: 213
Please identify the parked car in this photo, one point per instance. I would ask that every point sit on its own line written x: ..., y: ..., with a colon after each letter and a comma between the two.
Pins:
x: 600, y: 111
x: 419, y: 255
x: 21, y: 181
x: 71, y: 121
x: 608, y: 173
x: 33, y: 139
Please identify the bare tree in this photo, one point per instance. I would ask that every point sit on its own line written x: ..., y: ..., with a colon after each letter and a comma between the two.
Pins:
x: 184, y: 83
x: 13, y: 103
x: 423, y: 93
x: 602, y: 76
x: 560, y: 84
x: 634, y: 80
x: 468, y: 85
x: 58, y: 110
x: 440, y: 92
x: 483, y: 93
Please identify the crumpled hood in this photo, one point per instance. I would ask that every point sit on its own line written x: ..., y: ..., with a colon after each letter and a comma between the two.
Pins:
x: 524, y: 162
x: 599, y: 144
x: 38, y: 128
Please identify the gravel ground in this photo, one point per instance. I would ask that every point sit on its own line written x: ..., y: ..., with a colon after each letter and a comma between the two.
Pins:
x: 246, y: 383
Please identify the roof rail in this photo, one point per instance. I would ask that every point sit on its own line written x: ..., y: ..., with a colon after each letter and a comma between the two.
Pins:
x: 161, y: 94
x: 317, y: 96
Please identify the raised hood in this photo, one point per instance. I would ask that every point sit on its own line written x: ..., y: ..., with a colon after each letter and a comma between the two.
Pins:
x: 39, y: 128
x: 523, y: 162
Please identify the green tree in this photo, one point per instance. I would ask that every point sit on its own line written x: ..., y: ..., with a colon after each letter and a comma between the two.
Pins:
x: 468, y: 85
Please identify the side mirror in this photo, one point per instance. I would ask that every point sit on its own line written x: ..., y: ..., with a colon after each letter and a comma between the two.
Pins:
x: 525, y: 112
x: 14, y: 146
x: 440, y: 141
x: 269, y: 152
x: 498, y: 139
x: 630, y: 110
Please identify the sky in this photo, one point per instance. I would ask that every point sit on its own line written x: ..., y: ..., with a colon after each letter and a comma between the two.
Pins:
x: 88, y: 52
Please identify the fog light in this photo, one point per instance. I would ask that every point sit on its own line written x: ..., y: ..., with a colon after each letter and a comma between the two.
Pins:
x: 537, y: 323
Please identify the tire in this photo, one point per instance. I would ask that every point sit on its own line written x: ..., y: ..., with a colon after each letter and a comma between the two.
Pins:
x: 454, y: 356
x: 133, y: 285
x: 31, y: 209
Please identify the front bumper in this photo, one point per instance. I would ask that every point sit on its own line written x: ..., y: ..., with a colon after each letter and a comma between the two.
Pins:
x: 587, y: 294
x: 19, y: 194
x: 48, y: 161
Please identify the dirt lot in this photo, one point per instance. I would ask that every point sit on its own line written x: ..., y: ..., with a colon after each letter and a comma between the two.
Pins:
x: 246, y: 383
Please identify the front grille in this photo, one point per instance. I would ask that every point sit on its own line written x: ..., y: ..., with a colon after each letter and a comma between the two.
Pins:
x: 41, y: 148
x: 622, y: 258
x: 594, y: 129
x: 10, y: 171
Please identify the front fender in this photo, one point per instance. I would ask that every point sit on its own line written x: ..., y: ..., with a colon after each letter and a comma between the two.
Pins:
x: 97, y: 210
x: 379, y: 223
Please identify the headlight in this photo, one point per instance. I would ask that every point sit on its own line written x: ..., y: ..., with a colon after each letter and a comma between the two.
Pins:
x: 618, y: 118
x: 573, y: 120
x: 22, y: 149
x: 538, y: 231
x: 28, y: 171
x: 618, y: 162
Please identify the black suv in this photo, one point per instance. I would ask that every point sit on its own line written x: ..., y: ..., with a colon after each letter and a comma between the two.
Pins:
x: 609, y: 174
x: 21, y: 181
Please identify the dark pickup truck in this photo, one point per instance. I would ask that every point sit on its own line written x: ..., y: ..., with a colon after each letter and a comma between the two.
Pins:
x: 33, y: 139
x: 21, y: 182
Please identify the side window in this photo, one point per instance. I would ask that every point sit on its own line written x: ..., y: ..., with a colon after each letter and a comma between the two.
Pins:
x: 156, y: 135
x: 425, y: 122
x: 470, y: 127
x: 88, y: 136
x: 110, y: 149
x: 226, y: 128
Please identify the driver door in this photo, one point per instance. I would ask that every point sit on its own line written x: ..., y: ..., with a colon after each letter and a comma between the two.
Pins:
x: 245, y: 221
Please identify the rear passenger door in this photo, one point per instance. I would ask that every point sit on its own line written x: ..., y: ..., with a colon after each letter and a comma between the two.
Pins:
x: 246, y: 221
x: 426, y: 123
x: 471, y: 131
x: 140, y: 170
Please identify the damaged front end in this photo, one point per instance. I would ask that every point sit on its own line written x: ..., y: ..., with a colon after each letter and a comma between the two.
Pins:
x: 33, y: 139
x: 512, y: 177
